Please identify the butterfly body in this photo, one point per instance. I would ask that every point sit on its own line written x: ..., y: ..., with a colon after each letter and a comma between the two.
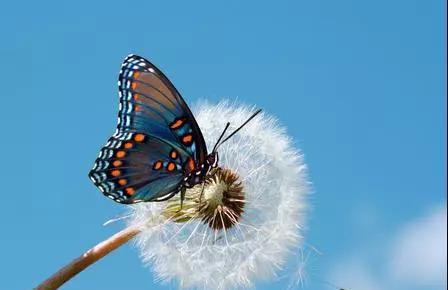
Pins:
x: 158, y: 148
x: 198, y: 175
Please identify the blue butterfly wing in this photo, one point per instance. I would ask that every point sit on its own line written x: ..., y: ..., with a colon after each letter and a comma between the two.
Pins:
x: 150, y: 102
x: 157, y: 141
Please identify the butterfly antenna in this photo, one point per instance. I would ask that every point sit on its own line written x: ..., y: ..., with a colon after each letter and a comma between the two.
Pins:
x: 220, y: 137
x: 239, y: 128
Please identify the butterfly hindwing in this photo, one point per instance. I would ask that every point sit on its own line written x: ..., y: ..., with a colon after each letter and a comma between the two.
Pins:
x: 157, y: 141
x: 136, y: 167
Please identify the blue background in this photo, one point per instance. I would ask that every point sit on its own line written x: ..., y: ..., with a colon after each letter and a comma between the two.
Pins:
x: 360, y: 85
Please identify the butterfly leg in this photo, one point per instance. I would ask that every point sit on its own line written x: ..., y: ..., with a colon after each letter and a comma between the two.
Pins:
x: 182, y: 197
x: 202, y: 193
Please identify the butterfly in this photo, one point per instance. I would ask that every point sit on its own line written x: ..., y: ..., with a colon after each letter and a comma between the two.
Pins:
x: 157, y: 149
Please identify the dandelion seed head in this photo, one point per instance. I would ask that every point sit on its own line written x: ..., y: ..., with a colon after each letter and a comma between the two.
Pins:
x: 251, y: 215
x: 219, y: 201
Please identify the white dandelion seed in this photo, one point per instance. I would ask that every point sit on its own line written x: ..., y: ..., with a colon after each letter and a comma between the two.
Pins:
x: 242, y: 246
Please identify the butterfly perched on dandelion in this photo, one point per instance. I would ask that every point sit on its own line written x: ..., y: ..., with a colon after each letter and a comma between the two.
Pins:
x: 158, y: 149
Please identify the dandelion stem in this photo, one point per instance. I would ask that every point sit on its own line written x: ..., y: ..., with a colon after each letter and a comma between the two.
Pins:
x: 88, y: 258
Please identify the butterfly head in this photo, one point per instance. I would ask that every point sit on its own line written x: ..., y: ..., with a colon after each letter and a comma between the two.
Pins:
x: 212, y: 159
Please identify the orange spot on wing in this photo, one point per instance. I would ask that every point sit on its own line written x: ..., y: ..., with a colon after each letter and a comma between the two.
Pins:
x: 136, y: 97
x: 121, y: 154
x: 122, y: 182
x: 187, y: 138
x: 139, y: 137
x: 177, y: 124
x: 128, y: 145
x: 134, y: 85
x: 171, y: 166
x: 157, y: 165
x: 117, y: 163
x: 138, y: 108
x: 136, y: 74
x: 115, y: 172
x: 130, y: 190
x: 190, y: 163
x: 173, y: 154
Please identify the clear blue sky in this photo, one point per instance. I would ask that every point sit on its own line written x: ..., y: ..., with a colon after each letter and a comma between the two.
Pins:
x: 360, y: 85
